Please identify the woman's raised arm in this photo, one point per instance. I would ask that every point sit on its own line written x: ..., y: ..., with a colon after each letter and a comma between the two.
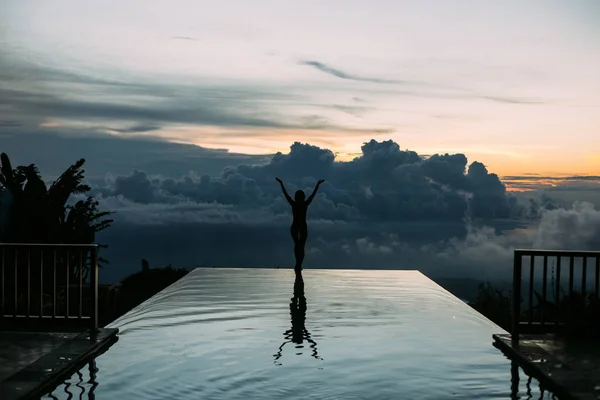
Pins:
x: 285, y: 193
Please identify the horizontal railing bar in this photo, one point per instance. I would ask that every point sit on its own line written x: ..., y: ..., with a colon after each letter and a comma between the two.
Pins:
x: 75, y: 245
x: 561, y: 324
x: 565, y: 253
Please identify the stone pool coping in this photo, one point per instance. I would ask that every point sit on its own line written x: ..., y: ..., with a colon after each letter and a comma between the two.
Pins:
x: 52, y: 368
x: 546, y: 358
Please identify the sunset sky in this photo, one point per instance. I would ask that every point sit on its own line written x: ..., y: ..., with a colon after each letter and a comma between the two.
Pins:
x: 513, y: 84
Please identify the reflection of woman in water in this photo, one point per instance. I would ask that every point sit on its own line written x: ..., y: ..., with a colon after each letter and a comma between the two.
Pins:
x: 299, y: 229
x: 298, y: 333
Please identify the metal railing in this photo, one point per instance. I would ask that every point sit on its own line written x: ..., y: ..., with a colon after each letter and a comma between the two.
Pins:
x: 49, y: 284
x: 562, y: 290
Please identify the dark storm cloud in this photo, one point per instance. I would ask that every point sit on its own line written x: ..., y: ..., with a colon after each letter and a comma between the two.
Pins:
x: 238, y: 243
x: 54, y: 152
x: 9, y: 124
x: 383, y: 184
x: 194, y: 110
x: 215, y: 235
x: 388, y: 208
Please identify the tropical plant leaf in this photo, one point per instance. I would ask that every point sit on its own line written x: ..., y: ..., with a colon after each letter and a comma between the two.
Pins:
x: 42, y: 214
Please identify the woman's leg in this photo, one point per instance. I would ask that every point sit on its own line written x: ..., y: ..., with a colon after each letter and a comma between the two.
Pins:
x: 294, y: 233
x: 301, y: 242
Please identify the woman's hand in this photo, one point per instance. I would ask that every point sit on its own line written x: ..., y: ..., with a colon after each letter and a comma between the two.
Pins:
x: 278, y: 180
x: 320, y: 181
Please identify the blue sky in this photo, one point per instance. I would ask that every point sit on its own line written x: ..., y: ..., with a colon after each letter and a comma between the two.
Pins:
x: 513, y: 84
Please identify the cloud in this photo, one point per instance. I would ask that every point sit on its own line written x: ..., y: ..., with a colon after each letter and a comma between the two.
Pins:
x: 512, y: 100
x: 439, y: 90
x: 383, y: 184
x: 376, y: 211
x: 343, y: 75
x: 365, y: 246
x: 193, y: 109
x: 560, y: 191
x: 35, y: 93
x: 353, y: 110
x: 184, y: 38
x: 9, y: 124
x: 117, y: 155
x: 575, y: 228
x: 387, y: 208
x: 127, y: 103
x: 552, y: 179
x: 486, y: 249
x: 138, y: 129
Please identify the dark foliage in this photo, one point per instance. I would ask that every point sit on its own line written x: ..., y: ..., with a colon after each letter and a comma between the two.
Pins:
x: 41, y: 214
x: 575, y: 309
x: 33, y: 212
x: 140, y: 286
x: 495, y: 304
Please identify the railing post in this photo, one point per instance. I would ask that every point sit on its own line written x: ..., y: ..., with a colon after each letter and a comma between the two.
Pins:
x: 516, y: 298
x: 94, y: 290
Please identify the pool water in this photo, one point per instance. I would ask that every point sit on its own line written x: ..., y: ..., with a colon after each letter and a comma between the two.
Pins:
x: 335, y: 334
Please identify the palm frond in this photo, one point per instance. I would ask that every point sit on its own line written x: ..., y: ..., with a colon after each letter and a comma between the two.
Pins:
x: 10, y: 178
x: 70, y: 182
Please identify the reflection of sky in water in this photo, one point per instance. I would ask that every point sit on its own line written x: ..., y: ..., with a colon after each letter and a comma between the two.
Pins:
x: 222, y: 333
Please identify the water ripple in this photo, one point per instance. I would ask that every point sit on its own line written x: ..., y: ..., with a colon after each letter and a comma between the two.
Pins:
x: 336, y: 334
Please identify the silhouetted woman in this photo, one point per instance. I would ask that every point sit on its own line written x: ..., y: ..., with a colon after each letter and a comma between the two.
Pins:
x: 299, y: 229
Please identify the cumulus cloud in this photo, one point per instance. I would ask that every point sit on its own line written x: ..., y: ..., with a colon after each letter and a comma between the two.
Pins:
x: 387, y: 208
x: 575, y: 228
x: 380, y: 210
x: 385, y: 183
x: 367, y: 247
x: 486, y: 251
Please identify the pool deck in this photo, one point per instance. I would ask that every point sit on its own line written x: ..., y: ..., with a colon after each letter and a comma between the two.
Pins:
x: 568, y: 367
x: 33, y: 363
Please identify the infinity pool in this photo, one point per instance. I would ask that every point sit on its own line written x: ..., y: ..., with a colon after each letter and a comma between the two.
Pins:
x: 336, y: 334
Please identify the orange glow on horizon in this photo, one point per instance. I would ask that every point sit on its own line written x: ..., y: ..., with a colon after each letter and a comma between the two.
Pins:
x: 504, y: 162
x: 518, y: 189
